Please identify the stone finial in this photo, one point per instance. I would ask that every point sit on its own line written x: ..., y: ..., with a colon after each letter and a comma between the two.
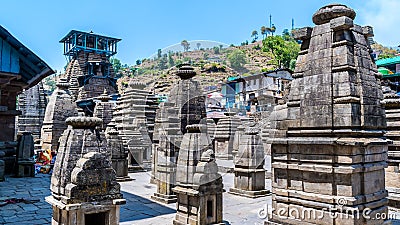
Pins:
x: 83, y: 122
x: 208, y: 156
x: 229, y: 113
x: 112, y: 129
x: 331, y: 11
x: 195, y: 128
x: 104, y: 97
x: 252, y: 131
x: 62, y: 83
x: 186, y: 72
x: 241, y: 128
x: 136, y: 85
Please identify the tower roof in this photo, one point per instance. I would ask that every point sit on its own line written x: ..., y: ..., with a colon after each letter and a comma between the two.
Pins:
x: 76, y: 41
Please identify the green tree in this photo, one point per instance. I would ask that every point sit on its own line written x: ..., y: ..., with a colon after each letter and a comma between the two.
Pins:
x: 263, y: 31
x: 205, y: 55
x: 384, y: 52
x: 185, y: 44
x: 159, y: 53
x: 116, y: 64
x: 198, y: 44
x: 162, y: 63
x: 171, y: 62
x: 138, y: 62
x: 283, y: 51
x: 273, y: 29
x: 237, y: 59
x: 254, y: 35
x: 286, y: 35
x: 216, y: 50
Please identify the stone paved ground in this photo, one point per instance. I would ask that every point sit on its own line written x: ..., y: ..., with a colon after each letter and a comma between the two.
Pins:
x: 139, y: 210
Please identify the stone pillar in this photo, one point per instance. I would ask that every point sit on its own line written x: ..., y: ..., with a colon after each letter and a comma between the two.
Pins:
x: 60, y: 107
x: 199, y: 186
x: 249, y: 169
x: 328, y: 149
x: 392, y: 174
x: 223, y: 139
x: 25, y: 152
x: 119, y: 156
x: 83, y: 185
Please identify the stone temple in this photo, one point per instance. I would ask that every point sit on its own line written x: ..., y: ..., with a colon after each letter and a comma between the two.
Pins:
x: 333, y: 140
x: 83, y: 185
x: 327, y: 142
x: 186, y: 106
x: 392, y: 109
x: 32, y: 103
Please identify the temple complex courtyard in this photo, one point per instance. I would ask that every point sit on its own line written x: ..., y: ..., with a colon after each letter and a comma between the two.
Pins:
x: 140, y: 208
x: 318, y: 144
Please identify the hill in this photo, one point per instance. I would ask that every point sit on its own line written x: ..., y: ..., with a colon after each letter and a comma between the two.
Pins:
x: 212, y: 66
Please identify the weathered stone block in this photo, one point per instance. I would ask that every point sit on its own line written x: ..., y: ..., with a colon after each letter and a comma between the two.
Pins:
x: 341, y: 23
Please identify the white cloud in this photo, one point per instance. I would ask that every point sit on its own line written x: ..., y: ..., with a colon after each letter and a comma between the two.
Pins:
x: 384, y: 17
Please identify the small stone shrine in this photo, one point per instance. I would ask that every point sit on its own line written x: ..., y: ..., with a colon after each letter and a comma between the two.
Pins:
x: 328, y: 146
x: 59, y: 108
x: 104, y: 109
x: 188, y: 97
x: 169, y: 140
x: 224, y: 135
x: 237, y: 139
x: 185, y: 106
x: 133, y: 125
x: 25, y: 152
x: 32, y: 104
x: 119, y: 155
x: 199, y: 186
x: 83, y: 185
x: 392, y: 173
x: 249, y: 169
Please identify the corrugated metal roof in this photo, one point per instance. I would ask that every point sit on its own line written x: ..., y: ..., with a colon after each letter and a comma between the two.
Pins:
x: 388, y: 61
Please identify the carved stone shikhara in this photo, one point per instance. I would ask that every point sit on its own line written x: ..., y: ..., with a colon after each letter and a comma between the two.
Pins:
x: 199, y: 185
x: 327, y: 141
x: 224, y: 136
x: 83, y: 183
x: 32, y: 104
x: 185, y: 106
x: 134, y: 118
x: 249, y: 180
x: 59, y: 108
x: 392, y: 109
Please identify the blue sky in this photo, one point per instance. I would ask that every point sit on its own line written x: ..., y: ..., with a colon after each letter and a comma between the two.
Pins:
x: 147, y: 25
